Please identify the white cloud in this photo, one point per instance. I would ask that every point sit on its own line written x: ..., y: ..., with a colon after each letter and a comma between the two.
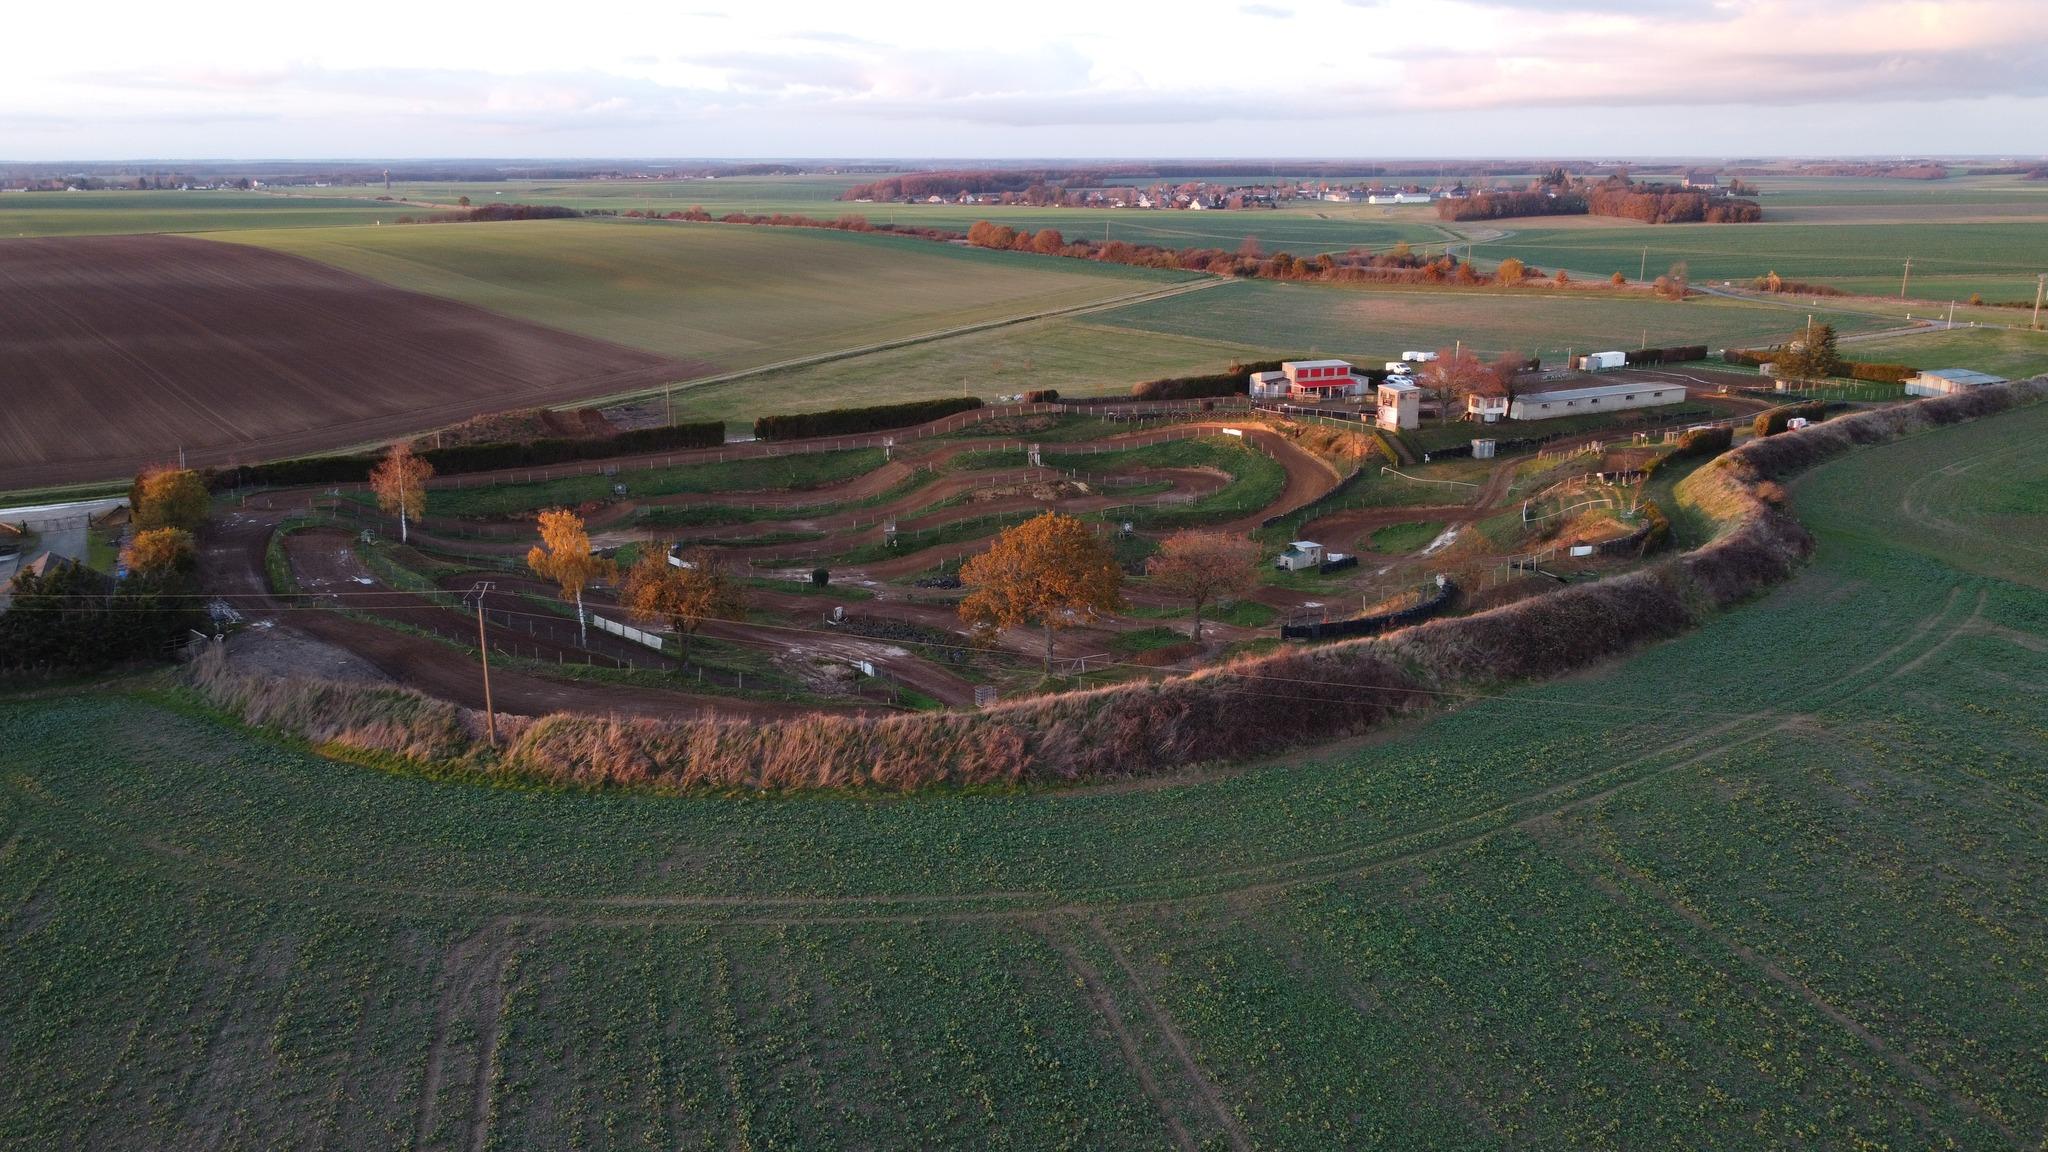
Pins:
x: 1314, y: 76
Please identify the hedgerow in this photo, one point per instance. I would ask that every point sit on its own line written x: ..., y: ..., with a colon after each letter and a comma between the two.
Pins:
x: 848, y: 421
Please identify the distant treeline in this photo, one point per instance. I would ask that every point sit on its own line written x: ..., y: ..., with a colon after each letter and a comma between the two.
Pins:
x: 1399, y: 265
x: 1649, y: 203
x: 495, y: 211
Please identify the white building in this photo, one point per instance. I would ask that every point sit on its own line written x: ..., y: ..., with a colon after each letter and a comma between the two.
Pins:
x: 1310, y: 380
x: 1949, y: 381
x: 1595, y: 398
x: 1486, y: 409
x: 1400, y: 404
x: 1601, y: 361
x: 1299, y: 555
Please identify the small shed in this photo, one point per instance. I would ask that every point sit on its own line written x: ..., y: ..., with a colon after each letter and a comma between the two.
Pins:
x: 1949, y: 381
x: 1299, y: 555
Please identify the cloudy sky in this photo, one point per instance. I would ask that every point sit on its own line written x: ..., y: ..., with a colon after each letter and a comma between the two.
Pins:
x: 1064, y: 78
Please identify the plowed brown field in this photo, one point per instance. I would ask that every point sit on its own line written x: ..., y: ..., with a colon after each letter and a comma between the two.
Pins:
x: 118, y: 351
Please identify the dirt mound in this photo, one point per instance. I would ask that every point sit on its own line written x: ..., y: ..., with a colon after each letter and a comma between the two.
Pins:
x: 1030, y: 490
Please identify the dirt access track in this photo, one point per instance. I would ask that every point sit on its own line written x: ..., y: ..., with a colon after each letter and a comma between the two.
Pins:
x: 118, y: 351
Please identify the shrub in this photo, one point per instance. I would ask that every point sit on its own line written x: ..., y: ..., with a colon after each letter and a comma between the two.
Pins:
x: 1229, y: 382
x: 1705, y: 442
x: 1773, y: 422
x: 1879, y: 373
x: 820, y: 577
x: 1042, y: 396
x: 848, y: 421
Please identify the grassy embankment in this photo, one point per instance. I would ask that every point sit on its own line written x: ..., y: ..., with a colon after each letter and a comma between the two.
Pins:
x: 1644, y: 882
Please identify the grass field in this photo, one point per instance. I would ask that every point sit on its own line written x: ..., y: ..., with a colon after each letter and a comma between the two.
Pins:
x: 735, y: 296
x: 1376, y: 325
x: 1303, y: 228
x: 1075, y: 355
x: 1715, y: 896
x: 2012, y: 353
x: 110, y: 213
x: 1950, y: 260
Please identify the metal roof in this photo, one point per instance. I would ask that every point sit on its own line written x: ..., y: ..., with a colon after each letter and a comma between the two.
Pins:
x: 1345, y: 364
x: 1968, y: 376
x: 1399, y: 384
x: 1602, y: 390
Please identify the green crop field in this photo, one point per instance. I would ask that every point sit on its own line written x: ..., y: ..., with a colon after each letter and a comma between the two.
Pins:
x: 1719, y: 895
x: 109, y: 213
x: 1375, y: 325
x: 1303, y: 228
x: 1074, y: 355
x: 1950, y: 260
x: 737, y: 297
x: 2014, y: 353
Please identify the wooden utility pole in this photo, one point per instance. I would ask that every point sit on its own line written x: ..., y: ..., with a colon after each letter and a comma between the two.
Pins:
x: 1643, y: 270
x: 2040, y: 285
x: 483, y: 648
x: 1908, y: 275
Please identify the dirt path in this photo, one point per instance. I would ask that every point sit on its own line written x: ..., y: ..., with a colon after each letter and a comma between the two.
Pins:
x: 232, y: 565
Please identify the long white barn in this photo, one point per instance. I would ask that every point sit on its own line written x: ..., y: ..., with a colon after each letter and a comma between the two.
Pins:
x: 1594, y: 398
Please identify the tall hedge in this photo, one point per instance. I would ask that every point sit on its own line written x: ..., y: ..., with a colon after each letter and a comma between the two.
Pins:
x: 1679, y: 354
x: 1229, y: 382
x: 463, y: 458
x: 848, y: 421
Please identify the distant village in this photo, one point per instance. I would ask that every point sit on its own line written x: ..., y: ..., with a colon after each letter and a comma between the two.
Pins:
x: 1200, y: 195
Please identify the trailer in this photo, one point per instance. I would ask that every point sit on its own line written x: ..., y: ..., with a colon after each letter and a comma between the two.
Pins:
x: 1601, y: 361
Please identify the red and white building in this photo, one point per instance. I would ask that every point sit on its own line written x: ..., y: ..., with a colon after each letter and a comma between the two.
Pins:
x: 1309, y: 380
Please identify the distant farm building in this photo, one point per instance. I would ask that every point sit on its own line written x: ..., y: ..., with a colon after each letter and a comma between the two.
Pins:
x: 1948, y: 381
x: 1398, y: 198
x: 1601, y: 361
x: 1703, y: 180
x: 1300, y: 555
x: 1400, y: 404
x: 1595, y: 398
x: 1313, y: 380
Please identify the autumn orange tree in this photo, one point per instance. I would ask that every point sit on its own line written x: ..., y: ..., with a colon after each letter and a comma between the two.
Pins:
x: 1049, y: 571
x: 564, y: 556
x: 400, y: 482
x: 1455, y: 374
x: 157, y: 552
x: 684, y: 595
x: 1199, y: 566
x: 168, y: 498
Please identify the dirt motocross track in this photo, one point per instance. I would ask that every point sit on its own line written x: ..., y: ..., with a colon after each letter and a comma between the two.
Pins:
x: 119, y: 351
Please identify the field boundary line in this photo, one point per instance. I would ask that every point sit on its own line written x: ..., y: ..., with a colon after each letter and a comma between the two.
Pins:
x: 1065, y: 310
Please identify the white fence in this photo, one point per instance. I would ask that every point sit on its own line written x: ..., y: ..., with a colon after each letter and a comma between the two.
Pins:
x: 634, y: 634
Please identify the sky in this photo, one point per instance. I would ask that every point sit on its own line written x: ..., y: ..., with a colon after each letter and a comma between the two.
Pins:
x: 129, y: 79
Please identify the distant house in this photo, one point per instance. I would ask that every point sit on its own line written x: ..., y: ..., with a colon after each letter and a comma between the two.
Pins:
x: 1596, y: 398
x: 1704, y: 181
x: 1948, y: 381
